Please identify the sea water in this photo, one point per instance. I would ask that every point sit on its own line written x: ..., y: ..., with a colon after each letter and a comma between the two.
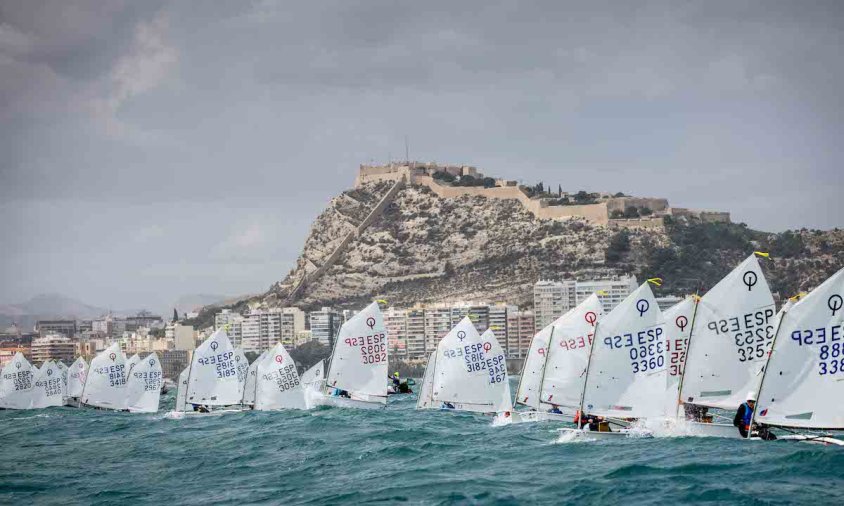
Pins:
x: 346, y: 456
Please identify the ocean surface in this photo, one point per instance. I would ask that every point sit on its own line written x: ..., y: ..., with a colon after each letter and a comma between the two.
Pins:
x: 336, y: 456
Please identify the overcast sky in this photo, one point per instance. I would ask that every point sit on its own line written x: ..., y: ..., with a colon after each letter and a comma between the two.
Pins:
x: 154, y: 149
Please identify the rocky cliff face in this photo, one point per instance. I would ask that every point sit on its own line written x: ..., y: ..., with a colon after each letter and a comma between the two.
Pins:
x: 427, y: 249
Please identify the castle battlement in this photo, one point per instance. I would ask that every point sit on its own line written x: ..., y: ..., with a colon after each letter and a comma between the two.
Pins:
x: 603, y: 212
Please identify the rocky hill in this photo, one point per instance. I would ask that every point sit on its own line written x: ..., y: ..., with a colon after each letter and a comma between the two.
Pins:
x: 423, y: 248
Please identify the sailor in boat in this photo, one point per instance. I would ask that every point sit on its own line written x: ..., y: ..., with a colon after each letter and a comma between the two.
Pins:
x: 697, y: 413
x: 743, y: 416
x: 447, y: 405
x: 595, y: 423
x: 555, y: 410
x: 200, y: 408
x: 339, y: 392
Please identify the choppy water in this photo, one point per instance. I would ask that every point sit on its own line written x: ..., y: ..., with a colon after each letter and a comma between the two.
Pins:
x: 66, y: 455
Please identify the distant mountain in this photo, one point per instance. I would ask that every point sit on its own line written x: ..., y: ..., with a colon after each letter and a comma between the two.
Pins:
x: 48, y: 305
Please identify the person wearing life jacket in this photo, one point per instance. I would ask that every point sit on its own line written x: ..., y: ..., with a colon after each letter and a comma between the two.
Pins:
x: 555, y: 410
x: 594, y: 422
x: 396, y: 380
x: 743, y: 416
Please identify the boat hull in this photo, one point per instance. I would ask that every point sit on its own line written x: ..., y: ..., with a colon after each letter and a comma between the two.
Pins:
x: 712, y: 430
x: 581, y: 434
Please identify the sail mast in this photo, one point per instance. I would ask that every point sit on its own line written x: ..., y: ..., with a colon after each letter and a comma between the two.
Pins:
x: 765, y: 370
x: 688, y: 348
x: 544, y: 367
x: 586, y: 378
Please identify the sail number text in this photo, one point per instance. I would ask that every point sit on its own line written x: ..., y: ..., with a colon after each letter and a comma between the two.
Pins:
x: 830, y: 347
x: 373, y: 348
x: 751, y: 333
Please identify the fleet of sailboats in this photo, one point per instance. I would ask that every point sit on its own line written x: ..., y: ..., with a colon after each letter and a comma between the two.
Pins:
x: 609, y: 374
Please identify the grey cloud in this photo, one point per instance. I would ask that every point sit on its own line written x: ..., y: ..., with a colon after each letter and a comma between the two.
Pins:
x: 157, y: 157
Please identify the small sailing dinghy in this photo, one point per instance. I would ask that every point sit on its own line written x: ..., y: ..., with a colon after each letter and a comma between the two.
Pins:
x: 313, y: 380
x: 17, y: 383
x: 731, y: 335
x: 49, y: 387
x: 278, y: 385
x: 426, y: 393
x: 105, y: 386
x: 214, y: 384
x: 77, y: 373
x: 249, y: 386
x: 625, y: 374
x: 181, y: 405
x: 143, y: 387
x: 470, y: 373
x: 803, y: 384
x: 358, y: 365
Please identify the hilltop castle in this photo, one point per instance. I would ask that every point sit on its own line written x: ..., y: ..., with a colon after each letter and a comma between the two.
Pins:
x: 447, y: 181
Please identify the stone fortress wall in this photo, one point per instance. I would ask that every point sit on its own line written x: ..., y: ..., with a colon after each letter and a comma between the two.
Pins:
x: 598, y: 213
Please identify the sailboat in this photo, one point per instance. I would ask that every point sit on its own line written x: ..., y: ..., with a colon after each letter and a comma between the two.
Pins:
x: 313, y: 380
x: 213, y: 380
x: 241, y: 365
x: 17, y: 383
x: 731, y: 335
x: 105, y: 386
x: 278, y: 385
x: 533, y: 370
x: 678, y: 323
x: 358, y: 368
x: 49, y: 387
x: 426, y: 393
x: 143, y: 386
x: 625, y: 373
x: 553, y: 392
x: 803, y: 384
x: 470, y: 372
x: 181, y: 405
x: 77, y: 373
x: 249, y: 386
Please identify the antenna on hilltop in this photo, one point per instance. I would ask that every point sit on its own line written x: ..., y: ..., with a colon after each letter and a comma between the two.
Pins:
x: 406, y: 152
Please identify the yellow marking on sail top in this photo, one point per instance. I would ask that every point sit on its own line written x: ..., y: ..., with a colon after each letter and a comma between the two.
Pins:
x: 655, y: 281
x: 495, y: 327
x: 382, y: 301
x: 602, y: 292
x: 762, y: 254
x: 797, y: 297
x: 696, y: 297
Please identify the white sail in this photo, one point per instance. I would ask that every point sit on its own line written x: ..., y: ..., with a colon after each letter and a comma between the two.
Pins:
x: 213, y: 373
x: 568, y: 354
x: 627, y: 372
x: 729, y: 344
x: 678, y: 324
x: 278, y: 385
x: 426, y: 392
x: 182, y: 391
x: 17, y: 383
x: 143, y: 388
x: 49, y: 387
x: 315, y: 374
x: 251, y: 375
x: 471, y: 371
x: 528, y: 391
x: 359, y: 362
x: 76, y: 375
x: 132, y: 362
x: 241, y: 365
x: 63, y: 369
x: 804, y: 382
x: 105, y: 386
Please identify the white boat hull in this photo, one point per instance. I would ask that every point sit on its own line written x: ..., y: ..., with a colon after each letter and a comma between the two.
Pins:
x: 808, y: 438
x: 712, y: 430
x: 569, y: 434
x: 537, y: 416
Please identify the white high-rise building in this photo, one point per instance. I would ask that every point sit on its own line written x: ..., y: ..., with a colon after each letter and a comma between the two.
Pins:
x: 324, y: 325
x: 610, y: 291
x: 551, y: 299
x: 232, y: 322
